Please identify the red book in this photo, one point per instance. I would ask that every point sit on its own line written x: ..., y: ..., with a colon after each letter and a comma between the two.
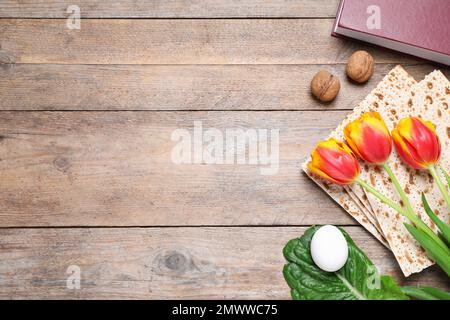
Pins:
x: 417, y: 27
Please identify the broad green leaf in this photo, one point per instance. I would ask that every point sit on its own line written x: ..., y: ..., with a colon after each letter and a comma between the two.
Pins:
x: 434, y: 251
x: 296, y: 295
x: 357, y: 280
x: 443, y: 227
x: 426, y: 293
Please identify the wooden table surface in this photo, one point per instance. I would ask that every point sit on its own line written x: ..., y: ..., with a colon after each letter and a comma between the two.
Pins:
x: 86, y: 176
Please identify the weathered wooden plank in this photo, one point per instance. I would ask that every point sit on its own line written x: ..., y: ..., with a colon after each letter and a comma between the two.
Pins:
x: 128, y: 87
x: 236, y: 41
x: 170, y: 9
x: 162, y: 263
x: 116, y: 169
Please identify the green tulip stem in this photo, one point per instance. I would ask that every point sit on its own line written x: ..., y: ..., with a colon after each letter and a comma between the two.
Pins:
x: 440, y: 185
x: 399, y: 188
x: 391, y: 203
x: 412, y: 217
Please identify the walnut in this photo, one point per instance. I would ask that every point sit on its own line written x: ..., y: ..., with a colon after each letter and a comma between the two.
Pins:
x: 360, y: 66
x: 325, y: 86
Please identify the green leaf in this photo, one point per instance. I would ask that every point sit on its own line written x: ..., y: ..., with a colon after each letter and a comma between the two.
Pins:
x: 357, y: 280
x: 443, y: 227
x: 426, y: 293
x: 296, y: 295
x: 434, y: 251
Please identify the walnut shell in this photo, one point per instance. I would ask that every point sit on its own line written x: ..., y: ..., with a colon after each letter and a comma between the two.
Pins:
x: 325, y: 86
x: 360, y: 66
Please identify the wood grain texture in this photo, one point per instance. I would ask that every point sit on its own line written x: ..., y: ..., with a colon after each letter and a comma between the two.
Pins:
x: 170, y: 9
x: 222, y: 41
x: 164, y: 263
x: 151, y: 87
x: 115, y: 169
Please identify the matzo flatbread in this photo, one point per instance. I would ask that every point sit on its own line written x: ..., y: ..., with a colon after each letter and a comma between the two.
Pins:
x: 430, y: 99
x: 390, y: 89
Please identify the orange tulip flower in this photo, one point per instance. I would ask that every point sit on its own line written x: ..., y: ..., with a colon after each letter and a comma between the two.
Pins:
x: 369, y: 138
x: 417, y: 143
x: 334, y: 161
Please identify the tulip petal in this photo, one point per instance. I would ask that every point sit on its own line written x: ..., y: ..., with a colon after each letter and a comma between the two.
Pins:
x: 334, y: 161
x: 377, y: 145
x: 426, y: 142
x: 320, y: 173
x: 416, y: 142
x: 403, y: 149
x: 369, y: 138
x: 338, y: 165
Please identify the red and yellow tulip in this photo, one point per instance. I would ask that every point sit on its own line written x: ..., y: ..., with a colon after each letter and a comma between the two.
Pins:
x: 417, y: 143
x: 334, y: 161
x: 369, y: 137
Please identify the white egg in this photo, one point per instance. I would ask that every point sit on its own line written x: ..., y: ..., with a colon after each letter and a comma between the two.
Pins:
x: 329, y: 249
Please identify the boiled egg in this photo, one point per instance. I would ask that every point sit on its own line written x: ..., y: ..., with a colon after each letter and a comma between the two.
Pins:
x: 329, y: 249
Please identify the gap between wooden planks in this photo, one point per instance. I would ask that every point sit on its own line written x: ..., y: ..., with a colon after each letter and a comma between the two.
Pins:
x: 174, y: 87
x: 170, y: 9
x: 164, y: 263
x: 223, y: 41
